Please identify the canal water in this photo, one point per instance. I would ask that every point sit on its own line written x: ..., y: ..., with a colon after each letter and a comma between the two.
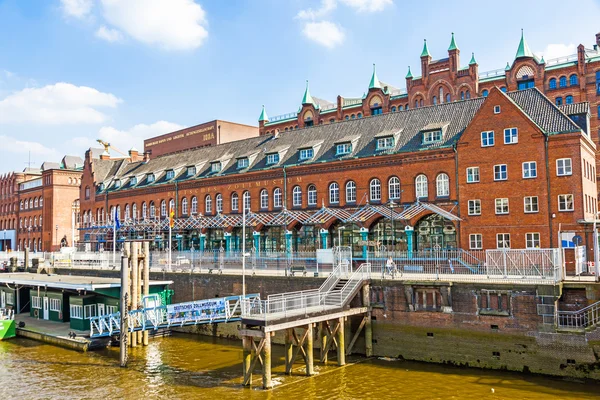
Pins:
x: 185, y: 367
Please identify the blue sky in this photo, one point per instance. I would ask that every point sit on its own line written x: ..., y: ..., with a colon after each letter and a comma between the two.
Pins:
x: 72, y: 71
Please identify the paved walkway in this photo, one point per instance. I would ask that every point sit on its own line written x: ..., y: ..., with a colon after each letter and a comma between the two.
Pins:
x: 52, y: 328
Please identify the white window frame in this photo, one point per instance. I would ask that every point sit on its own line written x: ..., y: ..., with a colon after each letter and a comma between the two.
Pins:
x: 421, y: 186
x: 432, y: 136
x: 502, y: 205
x: 350, y: 192
x: 150, y: 178
x: 312, y: 195
x: 272, y: 158
x: 527, y: 169
x: 375, y: 190
x: 277, y: 198
x: 86, y: 311
x: 531, y: 238
x: 55, y: 305
x: 246, y: 201
x: 111, y: 309
x: 385, y: 143
x: 496, y: 174
x: 497, y: 110
x: 194, y: 207
x: 442, y: 185
x: 334, y: 193
x: 208, y: 204
x: 528, y: 201
x: 219, y: 203
x: 514, y: 135
x: 307, y: 154
x: 243, y: 163
x: 215, y: 167
x: 474, y: 205
x: 564, y: 167
x: 563, y: 198
x: 502, y: 242
x: 191, y: 171
x: 488, y: 135
x: 297, y: 196
x: 36, y: 302
x: 235, y: 202
x: 76, y: 311
x: 10, y: 298
x: 264, y: 199
x: 169, y: 174
x: 343, y: 148
x: 473, y: 174
x: 394, y: 188
x: 475, y: 241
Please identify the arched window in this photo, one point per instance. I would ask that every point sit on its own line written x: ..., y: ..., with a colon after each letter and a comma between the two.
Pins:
x: 208, y: 204
x: 112, y: 213
x: 41, y: 201
x: 312, y: 195
x: 219, y: 203
x: 30, y: 203
x: 297, y: 196
x: 434, y: 100
x: 562, y: 82
x: 35, y: 203
x: 350, y: 192
x: 485, y: 93
x: 21, y: 205
x: 394, y: 188
x: 246, y: 198
x: 334, y: 193
x: 171, y: 206
x: 552, y: 83
x: 573, y: 80
x: 277, y: 198
x: 569, y: 99
x: 448, y: 98
x: 98, y: 215
x: 416, y: 103
x: 442, y: 184
x: 468, y: 94
x: 441, y: 94
x: 353, y: 116
x: 184, y: 206
x: 399, y: 108
x: 234, y: 202
x: 194, y: 209
x: 264, y: 199
x: 462, y: 95
x: 421, y: 187
x: 134, y: 213
x: 359, y: 115
x: 40, y: 221
x: 421, y: 103
x: 127, y: 212
x: 85, y: 217
x: 21, y: 223
x: 163, y: 208
x: 375, y: 190
x: 503, y: 89
x: 393, y: 108
x: 152, y: 210
x: 35, y: 222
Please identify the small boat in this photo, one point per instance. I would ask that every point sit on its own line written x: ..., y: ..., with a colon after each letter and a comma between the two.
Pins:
x: 7, y: 324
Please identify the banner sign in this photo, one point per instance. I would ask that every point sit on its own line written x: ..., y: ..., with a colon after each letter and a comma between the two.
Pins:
x: 203, y: 310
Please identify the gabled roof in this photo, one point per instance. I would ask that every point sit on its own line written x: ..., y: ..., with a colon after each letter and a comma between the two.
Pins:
x: 576, y: 108
x: 72, y: 162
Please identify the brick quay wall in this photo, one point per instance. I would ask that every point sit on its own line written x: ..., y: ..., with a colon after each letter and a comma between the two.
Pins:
x: 465, y: 324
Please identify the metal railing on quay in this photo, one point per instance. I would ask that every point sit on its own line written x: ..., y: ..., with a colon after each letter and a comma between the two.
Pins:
x: 581, y: 319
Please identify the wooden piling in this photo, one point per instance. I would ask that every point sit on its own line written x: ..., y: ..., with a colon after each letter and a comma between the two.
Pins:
x: 341, y: 345
x: 323, y: 341
x: 127, y: 288
x: 289, y: 351
x: 134, y: 285
x: 310, y: 369
x: 247, y: 360
x: 123, y: 334
x: 267, y: 383
x: 140, y: 268
x: 146, y: 280
x: 368, y: 321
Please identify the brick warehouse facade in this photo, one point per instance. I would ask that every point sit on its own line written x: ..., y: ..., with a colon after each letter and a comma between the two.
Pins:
x: 507, y: 170
x: 565, y: 80
x: 39, y: 206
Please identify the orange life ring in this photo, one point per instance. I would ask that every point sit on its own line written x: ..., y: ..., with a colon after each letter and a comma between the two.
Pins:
x: 36, y: 313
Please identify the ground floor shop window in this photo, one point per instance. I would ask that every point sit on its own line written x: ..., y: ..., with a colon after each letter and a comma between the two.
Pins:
x: 36, y: 302
x: 76, y: 312
x: 54, y: 305
x: 90, y: 311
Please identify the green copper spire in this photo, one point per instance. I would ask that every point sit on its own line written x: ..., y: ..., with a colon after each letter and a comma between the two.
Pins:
x: 542, y: 61
x: 409, y: 74
x: 374, y: 81
x: 472, y: 59
x: 263, y: 115
x: 507, y: 68
x: 523, y: 50
x: 453, y: 45
x: 425, y: 52
x: 307, y: 99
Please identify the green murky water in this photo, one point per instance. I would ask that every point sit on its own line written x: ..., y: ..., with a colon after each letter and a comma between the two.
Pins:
x: 184, y: 367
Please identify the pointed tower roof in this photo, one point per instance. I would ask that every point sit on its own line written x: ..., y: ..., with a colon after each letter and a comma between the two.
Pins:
x: 263, y: 115
x: 542, y: 61
x: 453, y: 45
x: 472, y: 59
x: 374, y: 84
x: 507, y: 66
x: 307, y: 99
x: 523, y: 50
x: 425, y: 52
x: 409, y: 74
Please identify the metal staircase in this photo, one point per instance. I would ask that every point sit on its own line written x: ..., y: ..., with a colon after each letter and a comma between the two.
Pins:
x: 587, y: 318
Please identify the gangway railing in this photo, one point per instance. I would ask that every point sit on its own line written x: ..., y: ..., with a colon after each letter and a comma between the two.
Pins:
x: 585, y: 318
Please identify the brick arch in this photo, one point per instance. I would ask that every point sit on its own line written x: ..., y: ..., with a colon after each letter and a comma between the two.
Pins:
x: 464, y: 85
x: 434, y: 88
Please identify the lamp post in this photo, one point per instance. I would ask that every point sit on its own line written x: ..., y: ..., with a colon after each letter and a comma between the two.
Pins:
x: 340, y: 228
x: 56, y: 237
x: 393, y: 205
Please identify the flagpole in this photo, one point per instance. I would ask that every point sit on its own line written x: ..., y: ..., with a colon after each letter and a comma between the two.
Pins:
x: 243, y: 250
x: 114, y: 235
x: 169, y: 246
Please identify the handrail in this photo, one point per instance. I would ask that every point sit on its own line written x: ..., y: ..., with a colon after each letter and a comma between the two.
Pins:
x: 581, y: 319
x: 331, y: 280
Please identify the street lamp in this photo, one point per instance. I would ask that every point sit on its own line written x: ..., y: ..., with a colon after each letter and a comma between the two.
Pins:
x: 340, y: 228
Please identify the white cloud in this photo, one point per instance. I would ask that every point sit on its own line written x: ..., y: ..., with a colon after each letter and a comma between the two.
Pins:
x: 109, y: 34
x: 368, y: 5
x: 16, y: 146
x: 77, y: 8
x: 326, y: 7
x: 555, y: 50
x: 134, y: 137
x: 61, y: 103
x: 170, y: 24
x: 324, y: 33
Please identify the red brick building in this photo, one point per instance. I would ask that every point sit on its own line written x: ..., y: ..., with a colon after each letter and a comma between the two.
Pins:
x: 508, y: 170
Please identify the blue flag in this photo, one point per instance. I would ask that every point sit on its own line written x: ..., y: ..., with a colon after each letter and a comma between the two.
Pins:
x: 117, y: 223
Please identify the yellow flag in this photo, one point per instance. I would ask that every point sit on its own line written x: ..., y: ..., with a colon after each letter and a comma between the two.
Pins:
x: 172, y: 218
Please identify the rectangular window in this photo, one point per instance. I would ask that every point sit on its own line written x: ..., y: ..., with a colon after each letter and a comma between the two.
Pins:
x: 242, y: 163
x: 563, y: 167
x: 385, y: 143
x: 502, y: 206
x: 272, y: 158
x: 432, y: 137
x: 511, y: 136
x: 475, y: 241
x: 597, y: 82
x: 55, y: 305
x: 528, y: 84
x: 496, y: 109
x: 532, y: 240
x: 150, y: 178
x: 487, y: 139
x: 531, y: 204
x: 472, y: 174
x: 76, y: 312
x: 343, y: 148
x: 503, y: 241
x: 191, y: 171
x: 36, y: 302
x: 306, y: 154
x: 215, y: 166
x: 111, y: 309
x: 500, y: 172
x: 565, y: 202
x: 170, y: 174
x: 10, y: 298
x: 90, y: 311
x: 529, y: 170
x: 474, y: 207
x: 133, y: 181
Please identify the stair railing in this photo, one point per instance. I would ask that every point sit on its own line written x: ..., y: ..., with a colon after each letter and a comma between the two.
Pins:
x: 581, y: 319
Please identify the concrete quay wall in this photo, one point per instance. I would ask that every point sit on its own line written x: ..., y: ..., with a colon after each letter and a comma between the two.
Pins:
x: 466, y: 324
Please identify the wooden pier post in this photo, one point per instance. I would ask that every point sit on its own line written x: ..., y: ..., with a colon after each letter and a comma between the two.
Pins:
x: 366, y: 295
x: 323, y: 341
x: 289, y: 351
x: 267, y: 384
x: 123, y: 334
x: 341, y: 344
x: 146, y: 280
x: 134, y: 285
x: 140, y: 269
x: 310, y: 369
x: 247, y: 360
x: 127, y: 289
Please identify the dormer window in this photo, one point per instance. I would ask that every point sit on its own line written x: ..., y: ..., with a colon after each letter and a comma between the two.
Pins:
x: 191, y: 171
x: 306, y: 154
x: 272, y: 158
x: 170, y: 174
x: 432, y: 137
x: 133, y: 181
x: 150, y: 178
x: 101, y: 187
x: 243, y: 163
x: 343, y: 148
x: 215, y: 166
x: 117, y: 183
x: 385, y: 143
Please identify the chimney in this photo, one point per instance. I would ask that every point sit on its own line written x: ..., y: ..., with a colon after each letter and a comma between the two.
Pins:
x: 598, y: 40
x: 147, y: 156
x: 134, y: 154
x: 105, y: 155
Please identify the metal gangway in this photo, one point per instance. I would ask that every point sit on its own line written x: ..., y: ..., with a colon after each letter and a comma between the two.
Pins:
x: 154, y: 316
